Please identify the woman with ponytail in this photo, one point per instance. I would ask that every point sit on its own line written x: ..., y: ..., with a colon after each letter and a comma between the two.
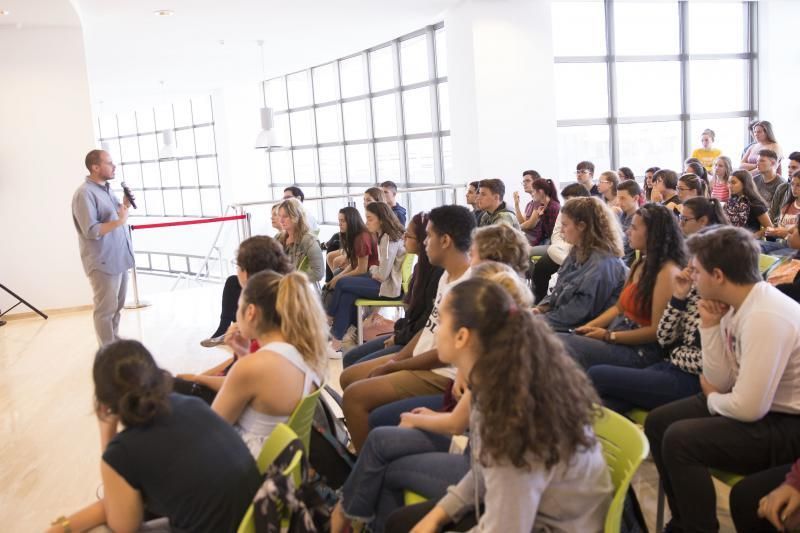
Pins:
x: 160, y: 462
x: 285, y: 316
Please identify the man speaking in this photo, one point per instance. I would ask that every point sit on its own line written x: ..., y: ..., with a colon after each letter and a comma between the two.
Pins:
x: 105, y: 243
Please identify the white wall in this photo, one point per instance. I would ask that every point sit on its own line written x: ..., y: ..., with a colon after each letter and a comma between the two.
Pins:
x: 779, y: 76
x: 45, y: 132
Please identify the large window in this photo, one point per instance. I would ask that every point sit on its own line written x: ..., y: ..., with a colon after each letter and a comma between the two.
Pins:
x: 186, y: 185
x: 380, y: 114
x: 637, y: 82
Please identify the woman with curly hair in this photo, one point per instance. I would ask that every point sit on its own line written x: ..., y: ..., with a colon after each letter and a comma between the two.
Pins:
x: 625, y: 334
x: 536, y: 464
x: 592, y: 276
x: 503, y: 244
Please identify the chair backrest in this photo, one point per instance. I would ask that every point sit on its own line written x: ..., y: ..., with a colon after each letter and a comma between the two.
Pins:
x: 277, y: 441
x: 303, y: 416
x: 624, y: 447
x: 766, y: 261
x: 408, y: 270
x: 304, y: 264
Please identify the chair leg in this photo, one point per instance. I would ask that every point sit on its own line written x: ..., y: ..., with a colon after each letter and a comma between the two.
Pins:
x: 660, y: 508
x: 360, y: 322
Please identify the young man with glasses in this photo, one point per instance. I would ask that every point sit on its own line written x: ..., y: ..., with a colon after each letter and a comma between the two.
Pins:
x: 584, y: 172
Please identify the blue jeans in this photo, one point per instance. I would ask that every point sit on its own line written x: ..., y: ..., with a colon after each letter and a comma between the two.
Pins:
x: 776, y: 248
x: 393, y: 460
x: 590, y: 352
x: 342, y: 306
x: 389, y: 414
x: 623, y: 389
x: 369, y: 350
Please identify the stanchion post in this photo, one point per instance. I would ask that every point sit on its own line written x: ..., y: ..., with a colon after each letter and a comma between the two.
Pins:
x: 137, y: 303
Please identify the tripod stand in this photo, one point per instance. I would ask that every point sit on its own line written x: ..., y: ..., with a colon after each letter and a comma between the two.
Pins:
x: 20, y: 300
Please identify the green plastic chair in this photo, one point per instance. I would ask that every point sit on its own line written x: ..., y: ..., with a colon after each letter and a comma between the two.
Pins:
x: 278, y: 440
x: 624, y: 447
x: 765, y: 262
x: 302, y: 417
x: 407, y: 270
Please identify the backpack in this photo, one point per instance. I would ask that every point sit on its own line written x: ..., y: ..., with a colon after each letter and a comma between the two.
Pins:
x: 278, y: 496
x: 329, y: 455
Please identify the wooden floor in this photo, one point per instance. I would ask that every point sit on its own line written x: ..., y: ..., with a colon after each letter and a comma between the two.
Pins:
x: 48, y: 434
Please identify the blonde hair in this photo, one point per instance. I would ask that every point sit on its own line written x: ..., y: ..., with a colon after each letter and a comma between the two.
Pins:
x: 505, y: 276
x: 503, y: 243
x: 726, y: 162
x: 290, y: 304
x: 603, y: 232
x: 294, y: 209
x: 613, y: 177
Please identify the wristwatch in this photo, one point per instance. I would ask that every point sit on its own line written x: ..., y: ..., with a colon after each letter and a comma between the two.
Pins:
x: 611, y: 336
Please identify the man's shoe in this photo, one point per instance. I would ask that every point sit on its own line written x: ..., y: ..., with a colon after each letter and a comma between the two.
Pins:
x: 213, y: 341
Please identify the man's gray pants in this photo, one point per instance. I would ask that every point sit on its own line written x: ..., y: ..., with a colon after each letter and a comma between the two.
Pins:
x: 109, y: 299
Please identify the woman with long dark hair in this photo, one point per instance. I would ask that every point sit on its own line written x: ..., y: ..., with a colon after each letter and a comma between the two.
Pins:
x: 625, y: 334
x: 158, y: 458
x: 543, y: 219
x: 358, y: 251
x: 745, y: 207
x: 418, y: 301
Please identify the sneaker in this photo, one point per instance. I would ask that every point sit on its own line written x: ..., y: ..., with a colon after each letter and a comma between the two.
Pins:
x: 335, y: 354
x: 350, y: 339
x: 213, y: 341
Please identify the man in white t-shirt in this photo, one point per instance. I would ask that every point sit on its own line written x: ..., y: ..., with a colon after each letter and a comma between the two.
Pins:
x: 415, y: 370
x: 747, y: 418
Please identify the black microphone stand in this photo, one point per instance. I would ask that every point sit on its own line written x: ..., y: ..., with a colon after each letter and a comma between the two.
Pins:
x: 20, y: 300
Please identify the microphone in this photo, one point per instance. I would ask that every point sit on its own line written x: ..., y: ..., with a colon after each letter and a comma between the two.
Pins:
x: 129, y: 195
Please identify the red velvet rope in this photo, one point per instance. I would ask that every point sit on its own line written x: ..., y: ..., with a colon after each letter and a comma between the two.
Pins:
x: 188, y: 222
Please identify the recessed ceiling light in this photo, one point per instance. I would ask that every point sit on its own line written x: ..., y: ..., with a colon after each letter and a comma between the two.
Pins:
x: 163, y: 12
x: 3, y: 12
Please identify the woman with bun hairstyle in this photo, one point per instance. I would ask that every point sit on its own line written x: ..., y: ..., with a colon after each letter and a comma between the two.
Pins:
x: 164, y: 454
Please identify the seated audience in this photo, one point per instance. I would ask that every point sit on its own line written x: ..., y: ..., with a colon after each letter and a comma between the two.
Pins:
x: 592, y: 276
x: 284, y: 314
x: 300, y: 244
x: 528, y: 178
x: 723, y: 168
x: 629, y: 197
x: 665, y: 185
x: 764, y: 140
x: 584, y: 173
x: 418, y: 301
x: 550, y: 261
x: 689, y: 186
x: 625, y: 334
x: 538, y: 466
x: 472, y: 200
x: 161, y: 462
x: 649, y: 184
x: 746, y: 419
x: 384, y: 280
x: 607, y: 186
x: 415, y: 370
x: 767, y: 181
x: 490, y: 200
x: 389, y: 189
x: 707, y: 154
x: 297, y: 193
x: 677, y: 376
x: 782, y: 198
x: 745, y: 207
x: 694, y: 166
x: 792, y: 290
x: 544, y: 216
x: 503, y: 244
x: 785, y: 223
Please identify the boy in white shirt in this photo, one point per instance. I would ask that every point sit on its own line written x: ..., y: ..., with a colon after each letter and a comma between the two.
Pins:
x: 746, y: 420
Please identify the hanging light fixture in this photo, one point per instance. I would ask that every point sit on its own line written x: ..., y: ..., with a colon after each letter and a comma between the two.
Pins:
x: 266, y: 138
x: 167, y: 150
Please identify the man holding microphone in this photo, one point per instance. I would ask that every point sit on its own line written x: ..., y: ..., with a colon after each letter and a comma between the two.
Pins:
x: 105, y: 243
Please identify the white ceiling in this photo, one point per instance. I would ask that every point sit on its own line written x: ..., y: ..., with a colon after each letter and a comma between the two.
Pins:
x: 129, y: 49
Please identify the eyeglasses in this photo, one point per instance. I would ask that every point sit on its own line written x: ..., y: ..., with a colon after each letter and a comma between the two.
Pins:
x: 684, y: 189
x: 583, y: 171
x: 684, y: 219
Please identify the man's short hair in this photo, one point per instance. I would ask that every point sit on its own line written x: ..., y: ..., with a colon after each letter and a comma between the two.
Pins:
x: 574, y: 190
x: 669, y: 177
x: 392, y: 186
x: 652, y: 170
x: 93, y: 158
x: 297, y: 192
x: 585, y: 165
x: 475, y: 185
x: 732, y: 250
x: 532, y: 173
x: 768, y: 153
x: 794, y: 156
x: 495, y: 185
x: 457, y: 222
x: 631, y: 187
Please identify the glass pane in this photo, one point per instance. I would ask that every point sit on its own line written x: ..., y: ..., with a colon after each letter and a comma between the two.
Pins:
x: 132, y: 174
x: 145, y: 120
x: 650, y: 144
x: 444, y: 106
x: 355, y: 120
x: 387, y: 158
x: 148, y: 147
x: 282, y: 129
x: 188, y: 169
x: 114, y: 150
x: 207, y: 171
x: 358, y: 167
x: 384, y: 116
x: 127, y: 123
x: 326, y: 83
x: 150, y: 175
x: 646, y: 28
x: 169, y: 173
x: 332, y: 207
x: 172, y: 203
x: 579, y: 28
x: 441, y: 52
x: 108, y: 126
x: 381, y: 68
x: 183, y: 113
x: 351, y: 74
x: 447, y: 159
x: 275, y: 90
x: 302, y: 127
x: 581, y: 90
x: 648, y: 88
x: 304, y: 171
x: 419, y: 154
x: 164, y: 119
x: 414, y: 60
x: 201, y: 110
x: 730, y: 135
x: 718, y: 85
x: 184, y: 143
x: 417, y: 110
x: 154, y: 202
x: 191, y: 202
x: 210, y: 201
x: 281, y: 166
x: 581, y: 143
x: 329, y: 127
x: 204, y: 140
x: 130, y: 149
x: 299, y: 89
x: 331, y: 164
x: 716, y: 27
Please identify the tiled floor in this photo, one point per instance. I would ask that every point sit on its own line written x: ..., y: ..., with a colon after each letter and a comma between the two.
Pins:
x: 48, y: 436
